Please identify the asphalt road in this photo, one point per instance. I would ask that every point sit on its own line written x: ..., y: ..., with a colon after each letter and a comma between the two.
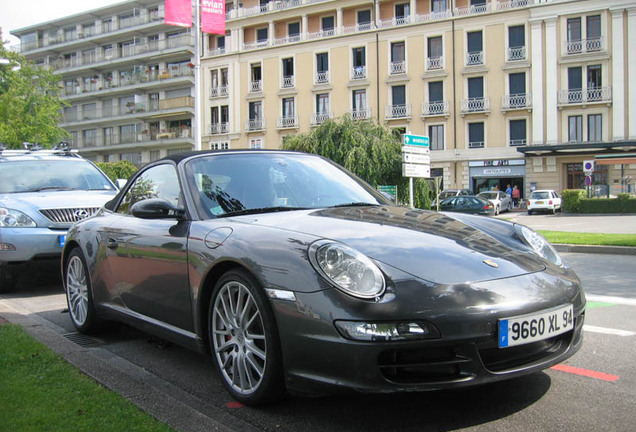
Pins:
x: 181, y: 388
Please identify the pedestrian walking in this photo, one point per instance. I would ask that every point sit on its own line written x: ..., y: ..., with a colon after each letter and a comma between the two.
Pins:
x: 516, y: 194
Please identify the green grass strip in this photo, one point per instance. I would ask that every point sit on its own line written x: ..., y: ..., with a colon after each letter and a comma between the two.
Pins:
x: 595, y: 239
x: 40, y: 391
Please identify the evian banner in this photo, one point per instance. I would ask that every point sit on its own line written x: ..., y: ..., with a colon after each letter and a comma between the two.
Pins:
x: 213, y: 16
x: 178, y: 12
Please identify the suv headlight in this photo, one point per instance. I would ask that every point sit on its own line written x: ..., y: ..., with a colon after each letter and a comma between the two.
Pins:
x: 10, y: 218
x: 348, y: 269
x: 539, y: 244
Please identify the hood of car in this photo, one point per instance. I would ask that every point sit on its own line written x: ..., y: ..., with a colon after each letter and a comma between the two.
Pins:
x: 428, y: 245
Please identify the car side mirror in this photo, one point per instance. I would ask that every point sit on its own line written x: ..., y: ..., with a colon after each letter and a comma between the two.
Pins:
x: 156, y: 208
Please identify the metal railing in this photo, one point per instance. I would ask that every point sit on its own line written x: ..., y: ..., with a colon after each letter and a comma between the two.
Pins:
x: 255, y: 125
x: 288, y: 81
x: 436, y: 108
x: 287, y: 122
x: 581, y: 96
x: 516, y: 101
x: 397, y: 111
x: 359, y: 72
x: 219, y: 128
x: 319, y: 118
x: 475, y: 144
x: 518, y: 142
x: 321, y: 77
x: 219, y: 91
x: 434, y: 63
x: 474, y: 58
x: 472, y: 105
x: 255, y: 86
x: 398, y: 68
x: 584, y: 46
x: 516, y: 53
x: 360, y: 113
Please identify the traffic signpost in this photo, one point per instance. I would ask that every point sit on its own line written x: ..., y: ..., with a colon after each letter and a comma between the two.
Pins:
x: 416, y: 159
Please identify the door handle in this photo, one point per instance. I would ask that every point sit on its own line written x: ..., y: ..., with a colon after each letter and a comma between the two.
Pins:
x: 111, y: 243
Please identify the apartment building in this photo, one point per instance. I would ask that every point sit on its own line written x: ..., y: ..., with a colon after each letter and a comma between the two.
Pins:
x: 509, y: 91
x: 128, y: 79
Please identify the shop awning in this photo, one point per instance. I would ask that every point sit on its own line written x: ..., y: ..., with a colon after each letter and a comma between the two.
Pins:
x: 623, y: 159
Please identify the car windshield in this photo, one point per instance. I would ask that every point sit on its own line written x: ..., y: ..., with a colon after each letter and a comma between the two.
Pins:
x: 40, y: 175
x: 540, y: 195
x: 234, y: 184
x: 447, y: 194
x: 488, y: 195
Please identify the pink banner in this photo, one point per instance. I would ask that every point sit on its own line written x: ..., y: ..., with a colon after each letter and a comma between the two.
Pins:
x: 213, y: 16
x: 178, y: 13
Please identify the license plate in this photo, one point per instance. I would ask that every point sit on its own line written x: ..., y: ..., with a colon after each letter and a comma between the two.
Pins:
x: 539, y: 202
x: 62, y: 240
x: 531, y: 328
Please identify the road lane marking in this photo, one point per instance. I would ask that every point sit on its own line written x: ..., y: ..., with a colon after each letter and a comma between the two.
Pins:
x: 609, y: 331
x: 585, y: 372
x: 610, y: 299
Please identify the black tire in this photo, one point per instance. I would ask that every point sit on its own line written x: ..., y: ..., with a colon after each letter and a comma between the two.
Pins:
x: 245, y: 345
x: 8, y: 279
x: 79, y: 294
x: 529, y: 212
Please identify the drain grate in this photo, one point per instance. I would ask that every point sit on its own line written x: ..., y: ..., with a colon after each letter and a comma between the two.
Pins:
x: 86, y: 341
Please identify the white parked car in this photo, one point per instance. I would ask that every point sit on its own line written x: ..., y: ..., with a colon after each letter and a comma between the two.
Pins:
x: 544, y: 200
x: 499, y: 199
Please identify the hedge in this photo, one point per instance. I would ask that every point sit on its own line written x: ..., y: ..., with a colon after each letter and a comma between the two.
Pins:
x: 576, y: 201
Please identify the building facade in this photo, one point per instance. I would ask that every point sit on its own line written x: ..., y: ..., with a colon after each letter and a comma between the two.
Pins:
x: 517, y: 92
x: 128, y: 79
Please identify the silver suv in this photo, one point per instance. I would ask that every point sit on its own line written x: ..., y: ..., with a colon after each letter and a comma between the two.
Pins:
x: 42, y: 193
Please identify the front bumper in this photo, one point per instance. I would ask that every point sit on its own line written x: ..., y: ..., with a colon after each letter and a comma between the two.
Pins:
x: 27, y: 244
x: 319, y: 360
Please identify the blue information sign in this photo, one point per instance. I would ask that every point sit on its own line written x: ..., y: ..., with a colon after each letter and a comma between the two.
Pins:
x: 418, y: 140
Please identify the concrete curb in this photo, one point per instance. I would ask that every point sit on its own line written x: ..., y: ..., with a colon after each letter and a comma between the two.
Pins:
x: 617, y: 250
x: 161, y: 399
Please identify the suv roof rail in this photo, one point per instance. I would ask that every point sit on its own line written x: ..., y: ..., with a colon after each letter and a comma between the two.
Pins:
x: 62, y: 148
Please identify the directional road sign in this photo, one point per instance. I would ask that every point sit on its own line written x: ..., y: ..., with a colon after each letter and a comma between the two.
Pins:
x: 416, y: 170
x: 416, y: 140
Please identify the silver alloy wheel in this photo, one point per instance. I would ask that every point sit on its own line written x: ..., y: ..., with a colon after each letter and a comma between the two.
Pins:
x: 77, y: 290
x: 239, y: 338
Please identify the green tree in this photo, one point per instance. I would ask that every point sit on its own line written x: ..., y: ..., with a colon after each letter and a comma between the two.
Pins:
x: 118, y: 170
x: 30, y: 102
x: 369, y: 150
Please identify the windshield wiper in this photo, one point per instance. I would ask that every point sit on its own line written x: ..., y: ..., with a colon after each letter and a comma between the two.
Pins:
x: 261, y: 210
x: 356, y: 204
x: 62, y: 188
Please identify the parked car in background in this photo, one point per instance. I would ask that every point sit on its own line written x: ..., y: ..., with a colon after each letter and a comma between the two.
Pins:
x: 544, y: 200
x: 468, y: 204
x: 296, y: 275
x: 447, y: 193
x: 42, y: 193
x: 501, y: 200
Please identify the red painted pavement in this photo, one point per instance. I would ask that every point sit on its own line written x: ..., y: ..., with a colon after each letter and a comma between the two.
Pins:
x: 585, y: 372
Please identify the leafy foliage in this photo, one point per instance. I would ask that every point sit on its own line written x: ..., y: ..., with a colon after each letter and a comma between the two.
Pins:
x: 30, y: 102
x: 117, y: 170
x: 369, y: 150
x: 572, y: 200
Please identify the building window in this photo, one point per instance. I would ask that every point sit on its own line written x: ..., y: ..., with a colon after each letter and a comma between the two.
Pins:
x: 436, y: 137
x: 223, y: 145
x: 516, y: 43
x: 518, y: 132
x: 288, y: 107
x: 593, y: 33
x: 398, y: 95
x: 293, y: 31
x: 398, y: 58
x: 476, y: 135
x: 435, y: 59
x: 436, y: 104
x: 575, y: 128
x: 402, y: 12
x: 322, y: 103
x: 475, y: 55
x: 256, y: 143
x: 261, y: 35
x: 364, y: 19
x: 359, y: 104
x: 574, y: 35
x: 288, y: 73
x: 256, y: 80
x: 328, y: 24
x: 322, y: 68
x: 595, y: 127
x: 439, y: 6
x: 359, y: 61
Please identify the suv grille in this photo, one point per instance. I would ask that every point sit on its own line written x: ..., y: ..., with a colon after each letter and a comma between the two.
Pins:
x: 68, y: 215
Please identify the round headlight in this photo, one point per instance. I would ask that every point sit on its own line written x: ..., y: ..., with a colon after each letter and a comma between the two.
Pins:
x: 348, y: 269
x: 539, y: 244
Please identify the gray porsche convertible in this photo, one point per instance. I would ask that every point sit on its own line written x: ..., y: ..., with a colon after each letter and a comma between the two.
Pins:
x: 295, y: 275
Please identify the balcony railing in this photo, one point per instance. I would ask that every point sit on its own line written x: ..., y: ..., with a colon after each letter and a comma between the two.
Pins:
x: 474, y: 58
x: 219, y: 91
x: 583, y: 96
x: 518, y: 142
x: 398, y: 68
x: 322, y: 77
x: 516, y: 101
x: 584, y: 46
x: 219, y: 128
x: 255, y: 86
x: 131, y: 108
x: 437, y: 108
x: 321, y: 34
x: 287, y: 40
x: 360, y: 113
x: 475, y: 144
x: 357, y: 28
x: 253, y: 125
x: 288, y: 81
x: 395, y: 22
x: 516, y: 53
x: 397, y: 111
x: 319, y: 118
x: 434, y: 63
x: 287, y: 122
x: 359, y: 72
x: 475, y: 105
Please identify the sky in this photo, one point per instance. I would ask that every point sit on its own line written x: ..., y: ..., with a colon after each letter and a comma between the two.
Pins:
x: 16, y: 14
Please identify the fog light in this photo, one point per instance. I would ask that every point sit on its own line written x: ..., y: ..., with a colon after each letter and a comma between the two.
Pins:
x: 387, y: 331
x: 6, y: 247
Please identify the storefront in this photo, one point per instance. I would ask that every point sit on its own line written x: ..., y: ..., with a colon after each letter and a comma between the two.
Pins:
x: 497, y: 174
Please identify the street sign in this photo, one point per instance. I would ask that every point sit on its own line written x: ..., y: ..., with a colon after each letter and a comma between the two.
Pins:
x: 588, y: 167
x: 416, y: 158
x: 390, y: 189
x: 415, y: 149
x: 416, y: 170
x: 588, y: 180
x: 416, y: 140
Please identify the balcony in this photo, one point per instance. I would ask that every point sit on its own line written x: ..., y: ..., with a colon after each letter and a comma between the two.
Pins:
x: 516, y: 53
x: 255, y: 125
x: 219, y: 128
x: 395, y: 22
x: 585, y: 96
x: 437, y: 108
x: 392, y: 112
x: 434, y: 63
x: 219, y: 91
x: 321, y: 77
x: 321, y: 34
x: 398, y: 68
x: 475, y: 58
x: 360, y: 113
x: 288, y: 81
x: 475, y: 144
x: 136, y: 110
x: 584, y: 46
x: 255, y: 86
x: 517, y: 142
x: 287, y: 122
x: 319, y: 118
x: 516, y: 101
x: 358, y: 72
x: 475, y: 105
